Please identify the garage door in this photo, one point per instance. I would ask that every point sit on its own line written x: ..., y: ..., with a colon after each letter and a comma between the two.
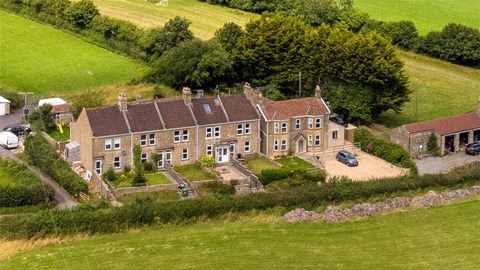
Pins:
x: 2, y: 108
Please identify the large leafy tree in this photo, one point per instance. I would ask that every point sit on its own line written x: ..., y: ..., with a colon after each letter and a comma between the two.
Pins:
x: 228, y: 35
x: 82, y: 13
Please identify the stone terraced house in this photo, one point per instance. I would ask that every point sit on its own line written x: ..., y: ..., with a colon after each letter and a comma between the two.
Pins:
x: 182, y: 130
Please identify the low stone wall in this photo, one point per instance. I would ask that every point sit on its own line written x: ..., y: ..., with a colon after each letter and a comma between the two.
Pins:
x: 128, y: 190
x: 335, y: 214
x: 58, y: 146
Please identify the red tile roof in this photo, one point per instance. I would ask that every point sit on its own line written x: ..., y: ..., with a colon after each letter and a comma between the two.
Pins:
x: 239, y: 108
x: 62, y: 108
x: 175, y: 113
x: 454, y: 124
x: 107, y: 121
x: 143, y: 117
x: 208, y: 111
x: 286, y: 109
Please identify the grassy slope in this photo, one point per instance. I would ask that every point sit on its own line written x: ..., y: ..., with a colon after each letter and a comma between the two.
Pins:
x: 428, y: 15
x: 438, y: 238
x: 36, y: 57
x: 443, y: 89
x: 205, y: 18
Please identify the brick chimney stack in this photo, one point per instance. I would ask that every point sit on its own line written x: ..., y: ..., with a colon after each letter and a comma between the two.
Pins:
x: 247, y: 90
x: 122, y: 102
x: 187, y: 95
x: 318, y: 92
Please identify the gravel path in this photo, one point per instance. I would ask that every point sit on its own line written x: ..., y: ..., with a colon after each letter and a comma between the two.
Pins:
x: 432, y: 165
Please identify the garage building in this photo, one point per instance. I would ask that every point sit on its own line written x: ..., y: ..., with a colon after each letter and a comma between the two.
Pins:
x: 4, y: 106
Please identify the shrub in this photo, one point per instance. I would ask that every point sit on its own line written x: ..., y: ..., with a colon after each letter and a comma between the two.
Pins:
x: 432, y: 145
x: 269, y: 175
x: 42, y: 155
x: 388, y: 151
x: 207, y: 162
x: 82, y: 13
x: 110, y: 175
x: 15, y: 100
x: 148, y: 167
x: 217, y: 188
x: 127, y: 169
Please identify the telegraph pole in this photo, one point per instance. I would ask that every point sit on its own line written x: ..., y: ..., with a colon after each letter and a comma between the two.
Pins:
x: 300, y: 84
x: 25, y: 107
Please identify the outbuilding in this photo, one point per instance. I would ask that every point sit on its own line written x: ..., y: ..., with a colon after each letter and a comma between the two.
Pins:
x: 4, y: 106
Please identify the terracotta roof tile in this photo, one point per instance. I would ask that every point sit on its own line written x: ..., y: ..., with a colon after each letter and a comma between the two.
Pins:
x: 208, y: 111
x: 175, y: 114
x: 286, y: 109
x: 107, y: 121
x: 143, y: 117
x: 454, y: 124
x: 239, y: 108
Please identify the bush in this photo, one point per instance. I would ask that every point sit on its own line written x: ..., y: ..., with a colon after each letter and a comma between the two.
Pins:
x: 110, y: 175
x: 15, y: 100
x: 216, y: 188
x: 388, y: 151
x: 207, y: 162
x: 42, y: 155
x: 269, y: 175
x: 148, y: 167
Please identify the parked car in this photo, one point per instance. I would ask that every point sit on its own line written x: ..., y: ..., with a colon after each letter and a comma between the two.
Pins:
x: 17, y: 129
x: 473, y: 148
x: 347, y: 158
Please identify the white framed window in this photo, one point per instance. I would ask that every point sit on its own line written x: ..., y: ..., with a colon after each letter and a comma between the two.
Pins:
x: 176, y: 136
x: 208, y: 132
x: 284, y: 127
x: 248, y: 128
x: 275, y: 145
x: 216, y: 133
x: 246, y: 147
x: 240, y: 129
x: 276, y: 128
x: 298, y: 123
x: 108, y: 144
x: 143, y: 139
x: 284, y: 145
x: 143, y: 157
x: 335, y: 134
x: 318, y: 122
x: 184, y: 154
x: 310, y: 123
x: 152, y: 140
x: 310, y: 140
x: 317, y: 139
x: 98, y: 166
x: 185, y: 135
x: 117, y: 163
x: 209, y: 150
x: 116, y: 143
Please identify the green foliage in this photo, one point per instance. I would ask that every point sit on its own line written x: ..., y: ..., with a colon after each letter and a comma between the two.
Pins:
x: 15, y: 100
x: 228, y: 36
x: 355, y: 103
x: 42, y: 155
x: 388, y: 151
x: 22, y: 187
x: 216, y: 188
x: 455, y: 43
x: 273, y: 92
x: 139, y: 178
x: 207, y: 161
x: 41, y: 119
x: 149, y: 167
x: 90, y: 98
x: 109, y: 175
x: 432, y: 145
x: 402, y: 33
x: 82, y: 13
x: 269, y: 175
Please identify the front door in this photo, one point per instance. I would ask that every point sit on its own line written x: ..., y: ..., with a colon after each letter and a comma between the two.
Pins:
x: 300, y: 146
x: 222, y: 154
x: 164, y: 156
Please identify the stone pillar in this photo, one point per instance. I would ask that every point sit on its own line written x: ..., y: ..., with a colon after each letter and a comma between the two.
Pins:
x: 442, y: 145
x: 456, y: 142
x: 470, y: 136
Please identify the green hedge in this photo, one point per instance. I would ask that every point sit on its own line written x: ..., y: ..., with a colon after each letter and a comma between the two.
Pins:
x: 388, y: 151
x: 42, y: 155
x: 87, y: 219
x: 269, y: 175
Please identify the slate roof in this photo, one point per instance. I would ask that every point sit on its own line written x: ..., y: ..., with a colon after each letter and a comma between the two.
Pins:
x: 239, y: 108
x: 107, y: 121
x: 207, y: 111
x: 444, y: 126
x: 143, y: 117
x: 286, y: 109
x: 175, y: 114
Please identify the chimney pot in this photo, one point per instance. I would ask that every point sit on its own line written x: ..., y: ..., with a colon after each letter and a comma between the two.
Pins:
x: 187, y: 95
x: 199, y: 93
x: 318, y: 92
x: 247, y: 90
x: 122, y: 102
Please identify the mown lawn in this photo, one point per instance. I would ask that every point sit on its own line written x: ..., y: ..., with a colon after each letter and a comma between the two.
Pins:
x: 205, y: 18
x: 39, y: 58
x: 157, y: 196
x: 258, y: 164
x: 440, y: 89
x: 444, y: 237
x: 194, y: 172
x: 294, y: 163
x: 57, y: 135
x: 152, y: 179
x: 428, y: 15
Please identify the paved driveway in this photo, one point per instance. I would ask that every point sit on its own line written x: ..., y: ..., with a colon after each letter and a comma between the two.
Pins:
x: 369, y: 167
x: 14, y: 118
x: 444, y: 164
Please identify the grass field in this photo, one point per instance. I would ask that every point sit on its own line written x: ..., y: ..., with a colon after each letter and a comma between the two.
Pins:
x: 205, y: 18
x: 437, y: 238
x: 441, y: 88
x: 15, y: 176
x: 39, y: 58
x: 428, y: 15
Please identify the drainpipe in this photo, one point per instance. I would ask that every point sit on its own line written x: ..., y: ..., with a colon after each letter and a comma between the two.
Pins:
x: 268, y: 145
x: 197, y: 143
x: 131, y: 150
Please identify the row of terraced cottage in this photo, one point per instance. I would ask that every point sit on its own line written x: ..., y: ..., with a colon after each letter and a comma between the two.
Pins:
x: 184, y: 129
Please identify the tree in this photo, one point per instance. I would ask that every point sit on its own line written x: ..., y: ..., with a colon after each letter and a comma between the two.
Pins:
x: 432, y: 145
x: 90, y: 98
x: 41, y: 119
x: 317, y: 12
x: 139, y: 178
x: 159, y: 40
x: 273, y: 92
x: 353, y: 102
x: 228, y: 36
x: 82, y: 13
x: 403, y: 34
